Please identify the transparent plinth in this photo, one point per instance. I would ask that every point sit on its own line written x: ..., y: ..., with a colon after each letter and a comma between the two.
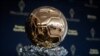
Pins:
x: 31, y: 50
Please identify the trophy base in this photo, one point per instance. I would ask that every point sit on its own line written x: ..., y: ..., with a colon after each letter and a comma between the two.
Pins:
x: 32, y: 50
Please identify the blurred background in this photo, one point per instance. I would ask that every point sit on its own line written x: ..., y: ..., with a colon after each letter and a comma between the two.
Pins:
x: 83, y: 17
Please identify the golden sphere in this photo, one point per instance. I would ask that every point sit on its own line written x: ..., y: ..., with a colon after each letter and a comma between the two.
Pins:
x: 46, y: 27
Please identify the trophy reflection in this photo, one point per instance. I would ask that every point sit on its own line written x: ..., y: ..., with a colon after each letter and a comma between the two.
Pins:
x: 46, y: 28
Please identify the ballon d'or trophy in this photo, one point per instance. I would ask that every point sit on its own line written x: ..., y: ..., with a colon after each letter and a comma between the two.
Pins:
x: 46, y: 28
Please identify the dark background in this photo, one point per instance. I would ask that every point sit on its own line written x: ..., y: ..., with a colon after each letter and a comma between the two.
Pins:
x: 10, y: 39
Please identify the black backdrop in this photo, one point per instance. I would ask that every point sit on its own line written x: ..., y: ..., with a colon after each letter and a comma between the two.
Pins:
x: 79, y: 40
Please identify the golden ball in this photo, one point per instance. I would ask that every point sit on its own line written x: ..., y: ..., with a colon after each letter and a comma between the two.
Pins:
x: 46, y: 27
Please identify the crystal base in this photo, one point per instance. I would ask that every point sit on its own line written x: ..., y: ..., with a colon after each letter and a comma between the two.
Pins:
x: 32, y: 50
